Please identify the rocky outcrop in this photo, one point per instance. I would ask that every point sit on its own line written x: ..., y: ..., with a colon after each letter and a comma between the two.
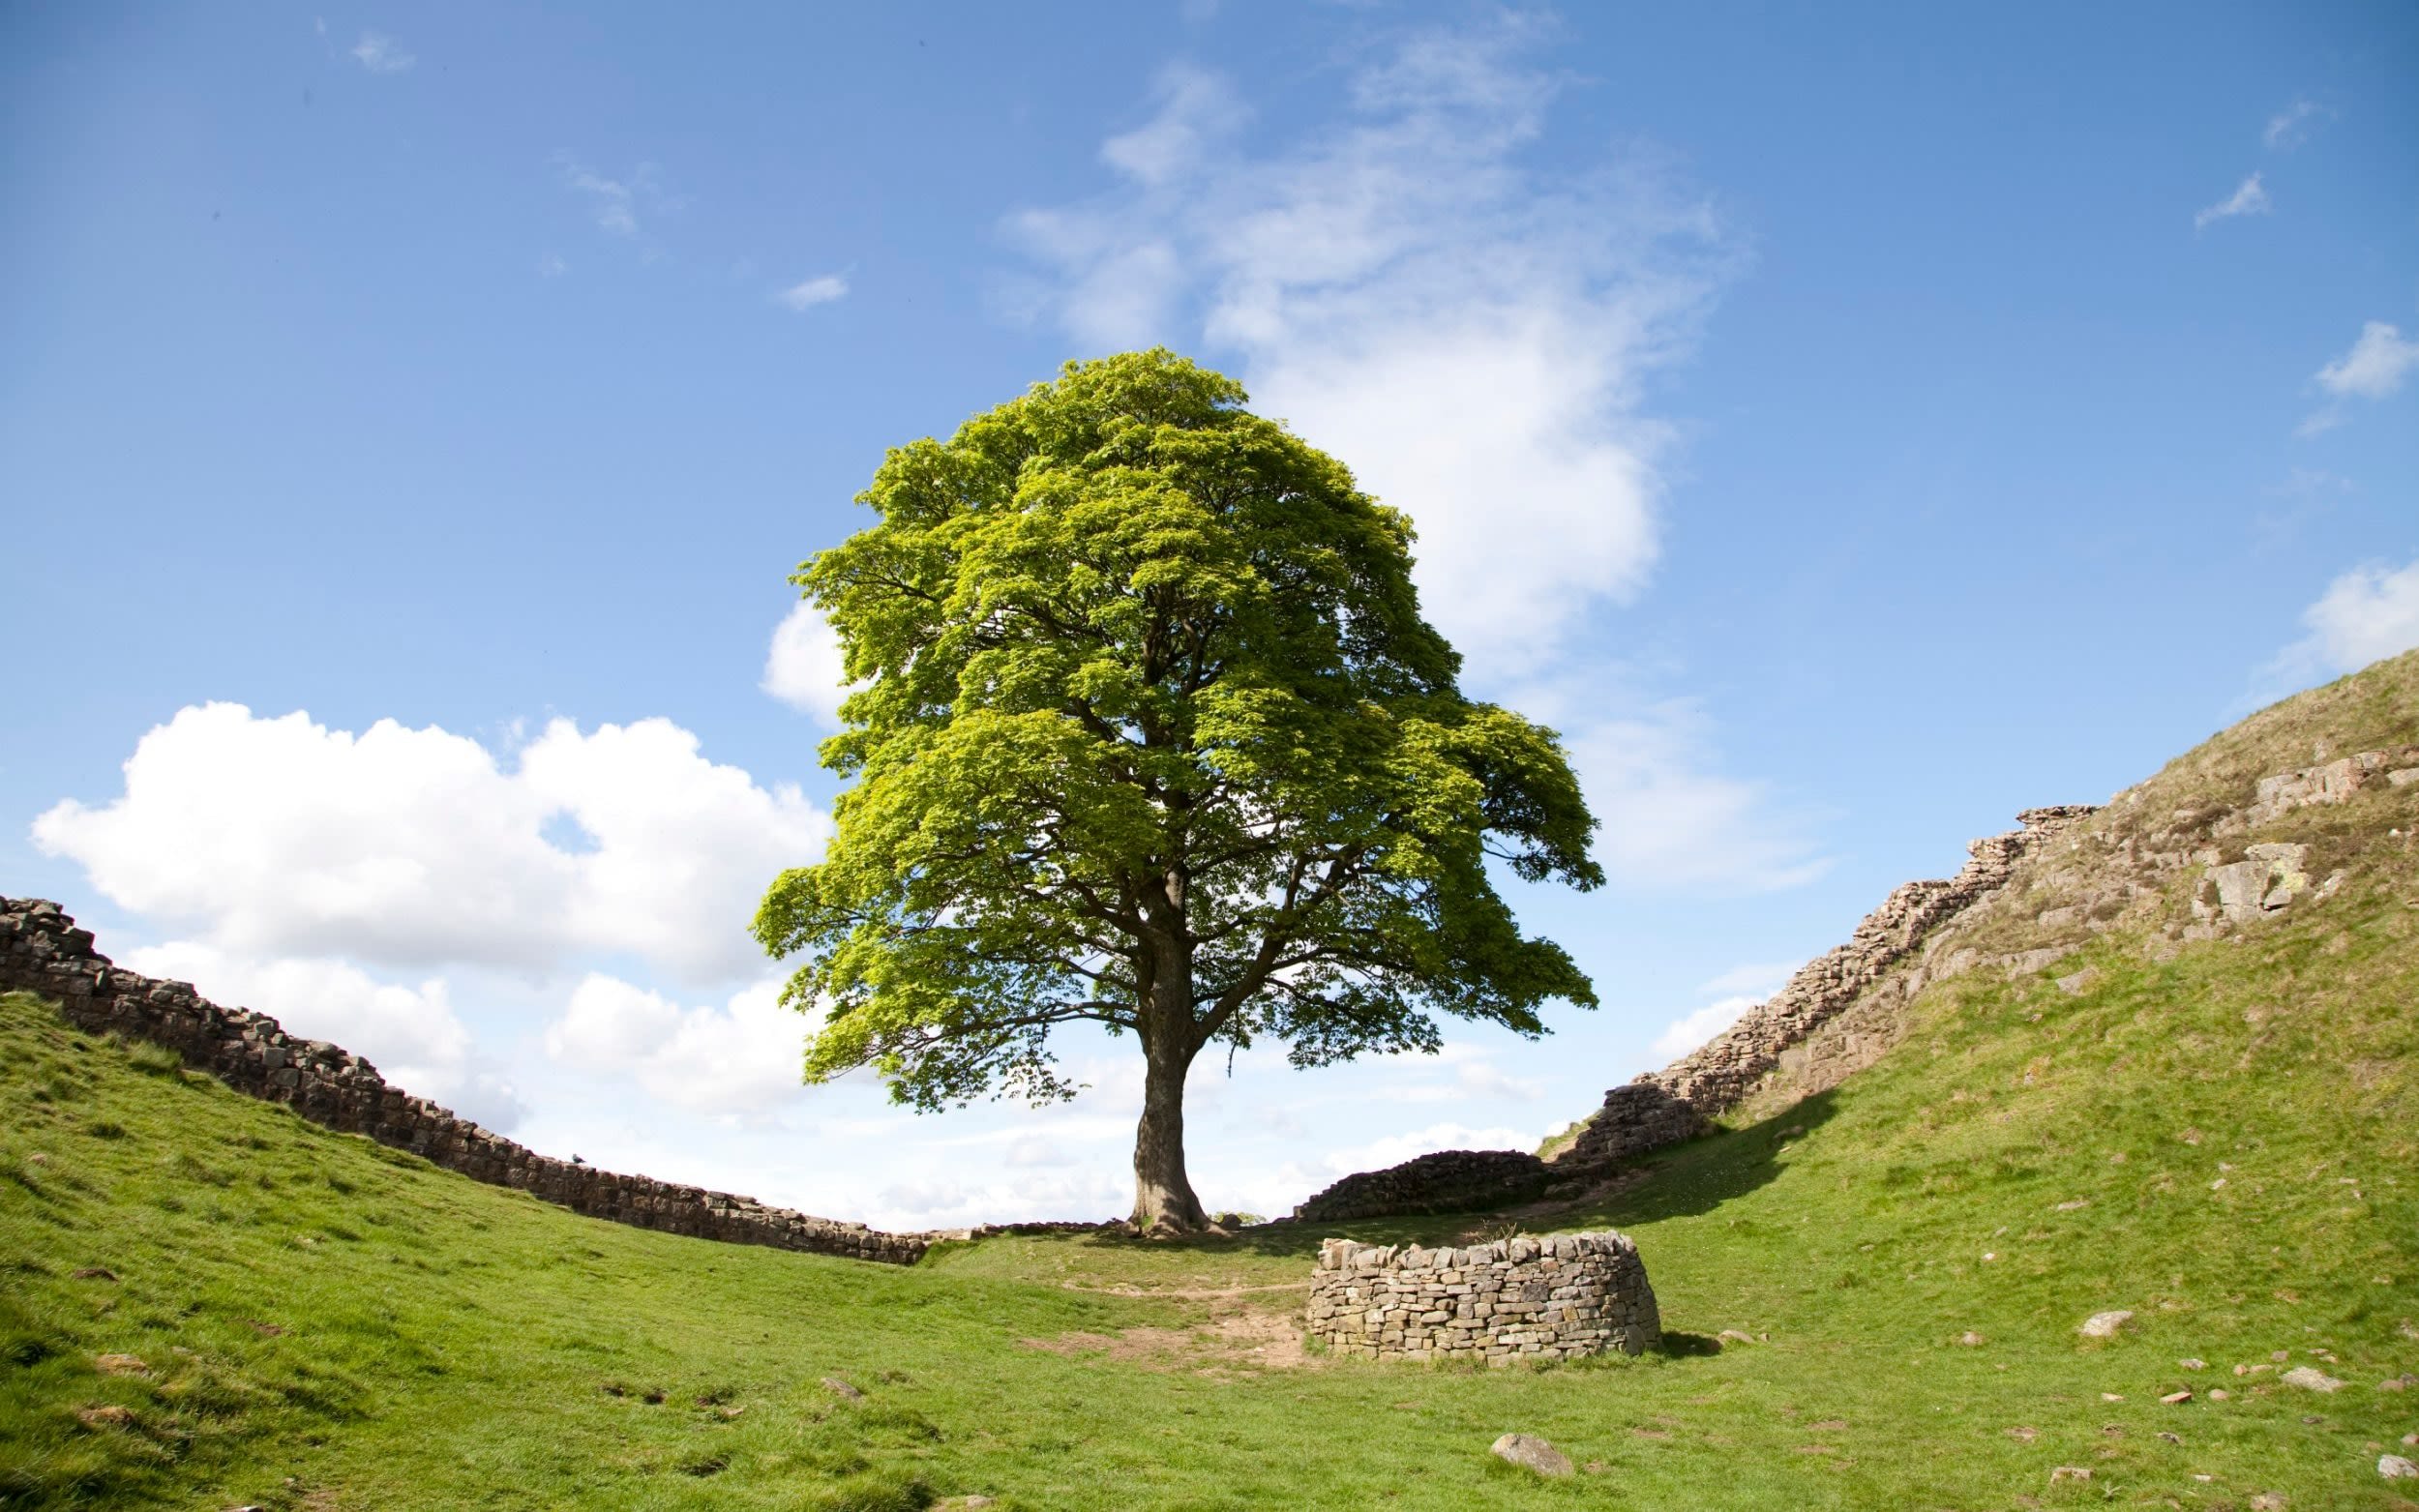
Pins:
x: 1448, y: 1181
x: 43, y: 952
x: 1516, y: 1299
x: 1662, y: 1108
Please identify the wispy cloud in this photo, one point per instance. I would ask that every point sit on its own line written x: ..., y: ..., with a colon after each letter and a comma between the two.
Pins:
x: 2293, y: 125
x: 551, y: 266
x: 380, y: 53
x: 1472, y: 336
x: 818, y: 290
x: 2248, y: 198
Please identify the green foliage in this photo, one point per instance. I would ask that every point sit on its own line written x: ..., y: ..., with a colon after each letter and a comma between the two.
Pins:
x: 1150, y: 732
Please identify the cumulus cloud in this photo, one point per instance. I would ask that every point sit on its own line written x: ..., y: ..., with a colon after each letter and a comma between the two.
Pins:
x: 2376, y: 365
x: 381, y: 54
x: 1404, y: 288
x: 805, y: 667
x: 1394, y: 1149
x: 2248, y: 198
x: 410, y: 1032
x: 2367, y: 613
x: 417, y: 847
x: 1693, y: 1030
x: 742, y: 1058
x: 818, y: 290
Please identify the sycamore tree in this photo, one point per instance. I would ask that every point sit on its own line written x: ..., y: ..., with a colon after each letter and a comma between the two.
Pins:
x: 1147, y: 731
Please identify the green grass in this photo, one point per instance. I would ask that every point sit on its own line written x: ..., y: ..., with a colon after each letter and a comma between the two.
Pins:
x: 329, y: 1325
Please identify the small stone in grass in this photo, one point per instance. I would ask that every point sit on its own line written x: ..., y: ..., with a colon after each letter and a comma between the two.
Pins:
x: 2393, y: 1467
x: 2192, y: 1364
x: 2310, y: 1380
x: 841, y: 1389
x: 2111, y: 1396
x: 2221, y: 1394
x: 2173, y: 1397
x: 1970, y: 1339
x: 2171, y: 1437
x: 2268, y: 1501
x: 2069, y: 1472
x: 1734, y: 1336
x: 1532, y: 1453
x: 2104, y: 1325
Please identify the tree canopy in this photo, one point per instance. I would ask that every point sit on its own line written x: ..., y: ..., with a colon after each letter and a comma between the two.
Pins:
x: 1148, y: 731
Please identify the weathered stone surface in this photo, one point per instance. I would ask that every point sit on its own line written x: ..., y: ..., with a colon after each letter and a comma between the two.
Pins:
x: 1448, y: 1181
x: 2104, y: 1325
x: 2311, y: 1378
x: 2393, y: 1467
x: 41, y: 952
x: 1556, y: 1298
x: 1532, y: 1453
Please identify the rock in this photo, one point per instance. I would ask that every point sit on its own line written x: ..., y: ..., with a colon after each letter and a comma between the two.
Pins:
x: 841, y: 1389
x: 2104, y: 1325
x: 2069, y: 1472
x: 1734, y: 1336
x: 120, y: 1365
x: 2168, y: 1438
x: 2173, y: 1397
x: 1532, y: 1454
x: 2192, y: 1364
x: 2310, y: 1380
x: 111, y: 1415
x: 2393, y: 1467
x: 2220, y: 1394
x: 1970, y: 1339
x: 2268, y: 1501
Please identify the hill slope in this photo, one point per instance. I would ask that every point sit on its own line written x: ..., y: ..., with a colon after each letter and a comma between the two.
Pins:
x: 2210, y: 1126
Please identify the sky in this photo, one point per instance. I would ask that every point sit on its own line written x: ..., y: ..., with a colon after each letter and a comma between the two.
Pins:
x: 1847, y: 426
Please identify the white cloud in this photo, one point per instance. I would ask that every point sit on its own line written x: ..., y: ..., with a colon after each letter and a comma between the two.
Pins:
x: 2376, y: 365
x: 411, y: 1034
x: 1672, y: 822
x: 2291, y: 126
x: 1761, y: 978
x: 414, y: 848
x: 1685, y: 1034
x: 1197, y: 114
x: 1470, y: 336
x: 2365, y: 615
x: 819, y: 290
x: 380, y: 54
x: 2248, y: 200
x: 551, y: 266
x: 805, y: 667
x: 743, y: 1057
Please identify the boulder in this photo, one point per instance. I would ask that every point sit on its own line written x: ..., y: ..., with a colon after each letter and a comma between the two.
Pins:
x: 1532, y: 1453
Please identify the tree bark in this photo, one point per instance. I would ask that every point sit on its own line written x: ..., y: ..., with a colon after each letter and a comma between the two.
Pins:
x: 1163, y: 1193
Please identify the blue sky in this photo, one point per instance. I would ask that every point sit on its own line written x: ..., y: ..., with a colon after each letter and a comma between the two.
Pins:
x: 1847, y: 428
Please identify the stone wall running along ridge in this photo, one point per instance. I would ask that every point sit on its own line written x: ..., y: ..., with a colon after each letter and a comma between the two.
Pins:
x: 41, y: 952
x: 1662, y: 1108
x: 1516, y: 1299
x: 1448, y: 1181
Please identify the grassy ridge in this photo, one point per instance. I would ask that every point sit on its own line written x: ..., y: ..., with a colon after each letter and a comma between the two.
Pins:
x: 330, y: 1324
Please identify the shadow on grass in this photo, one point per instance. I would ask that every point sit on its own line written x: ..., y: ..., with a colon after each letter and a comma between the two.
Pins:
x: 1689, y: 1344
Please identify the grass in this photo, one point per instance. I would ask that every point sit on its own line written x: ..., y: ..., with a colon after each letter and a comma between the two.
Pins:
x: 329, y: 1325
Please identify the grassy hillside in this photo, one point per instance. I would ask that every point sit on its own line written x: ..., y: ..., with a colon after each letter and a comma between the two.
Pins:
x: 324, y: 1324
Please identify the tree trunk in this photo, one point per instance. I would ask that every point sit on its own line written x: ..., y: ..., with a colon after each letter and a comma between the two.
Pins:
x: 1163, y: 1193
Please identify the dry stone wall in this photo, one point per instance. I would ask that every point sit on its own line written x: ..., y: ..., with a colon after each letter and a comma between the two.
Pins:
x: 1662, y: 1108
x: 1541, y: 1299
x: 1448, y: 1181
x: 43, y: 952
